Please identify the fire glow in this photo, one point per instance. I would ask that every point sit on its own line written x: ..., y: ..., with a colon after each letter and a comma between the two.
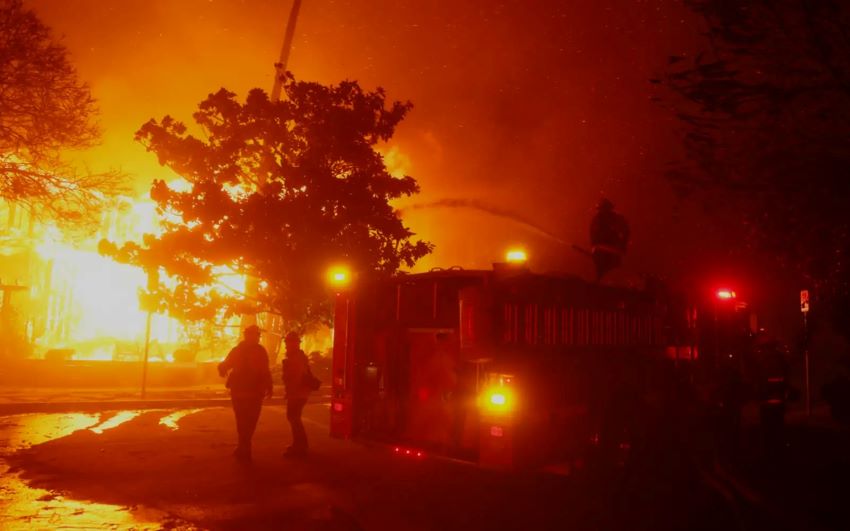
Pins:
x: 90, y: 303
x: 80, y: 305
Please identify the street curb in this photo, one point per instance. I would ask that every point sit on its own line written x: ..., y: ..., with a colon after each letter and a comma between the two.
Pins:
x: 109, y: 405
x: 112, y: 405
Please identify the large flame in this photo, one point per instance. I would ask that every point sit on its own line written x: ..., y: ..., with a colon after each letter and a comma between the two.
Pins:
x: 92, y: 302
x: 85, y: 306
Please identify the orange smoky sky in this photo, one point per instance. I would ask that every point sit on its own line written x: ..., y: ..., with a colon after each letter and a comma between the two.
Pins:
x: 534, y: 108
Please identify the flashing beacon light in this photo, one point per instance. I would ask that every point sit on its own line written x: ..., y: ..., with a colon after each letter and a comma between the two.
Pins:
x: 516, y: 256
x: 725, y: 294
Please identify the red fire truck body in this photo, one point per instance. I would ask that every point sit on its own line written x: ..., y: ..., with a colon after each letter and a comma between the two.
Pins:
x: 502, y: 366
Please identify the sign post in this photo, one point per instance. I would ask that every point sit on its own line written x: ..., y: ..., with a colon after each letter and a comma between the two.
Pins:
x: 804, y: 309
x: 153, y: 283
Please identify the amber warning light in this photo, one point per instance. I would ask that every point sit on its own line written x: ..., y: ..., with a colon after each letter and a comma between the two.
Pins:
x: 516, y: 256
x: 339, y: 276
x: 499, y: 398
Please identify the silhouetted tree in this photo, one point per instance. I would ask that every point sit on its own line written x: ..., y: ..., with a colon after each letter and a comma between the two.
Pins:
x: 766, y: 118
x: 44, y: 110
x: 278, y: 191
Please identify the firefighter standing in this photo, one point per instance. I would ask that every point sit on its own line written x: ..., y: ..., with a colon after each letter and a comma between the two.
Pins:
x: 609, y: 237
x: 249, y: 379
x: 296, y: 371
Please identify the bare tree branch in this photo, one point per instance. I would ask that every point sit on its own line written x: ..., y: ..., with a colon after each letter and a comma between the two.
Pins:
x: 44, y: 111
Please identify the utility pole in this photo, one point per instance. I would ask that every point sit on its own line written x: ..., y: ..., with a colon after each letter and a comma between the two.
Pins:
x: 153, y: 283
x: 806, y: 362
x: 280, y: 66
x: 251, y: 284
x: 147, y: 350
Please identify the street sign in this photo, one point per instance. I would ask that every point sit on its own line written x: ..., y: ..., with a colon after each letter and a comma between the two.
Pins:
x: 804, y: 301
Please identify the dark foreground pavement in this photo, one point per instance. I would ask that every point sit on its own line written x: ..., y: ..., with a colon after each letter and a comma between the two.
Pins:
x: 172, y: 469
x: 800, y: 478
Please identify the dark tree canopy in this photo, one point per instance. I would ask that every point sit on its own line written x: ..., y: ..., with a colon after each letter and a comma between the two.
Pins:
x: 279, y: 191
x: 766, y: 118
x: 44, y: 110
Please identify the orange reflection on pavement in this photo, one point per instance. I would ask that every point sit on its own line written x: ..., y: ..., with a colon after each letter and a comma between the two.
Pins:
x: 23, y: 431
x: 170, y: 421
x: 116, y: 420
x: 23, y: 507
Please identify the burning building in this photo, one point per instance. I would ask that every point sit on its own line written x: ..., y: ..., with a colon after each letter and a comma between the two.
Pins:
x: 62, y: 299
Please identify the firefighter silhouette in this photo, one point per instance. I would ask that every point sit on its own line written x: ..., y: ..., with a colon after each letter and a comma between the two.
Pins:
x: 609, y: 238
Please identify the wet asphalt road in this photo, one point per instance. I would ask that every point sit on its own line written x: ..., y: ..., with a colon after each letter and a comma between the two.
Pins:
x: 26, y: 507
x: 171, y: 469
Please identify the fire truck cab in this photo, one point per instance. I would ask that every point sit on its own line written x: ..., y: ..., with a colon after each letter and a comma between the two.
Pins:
x: 504, y: 367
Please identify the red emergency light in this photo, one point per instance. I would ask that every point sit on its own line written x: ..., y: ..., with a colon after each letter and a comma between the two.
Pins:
x: 409, y: 452
x: 725, y: 294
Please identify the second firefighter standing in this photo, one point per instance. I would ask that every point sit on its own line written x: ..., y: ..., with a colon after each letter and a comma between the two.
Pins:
x: 299, y: 381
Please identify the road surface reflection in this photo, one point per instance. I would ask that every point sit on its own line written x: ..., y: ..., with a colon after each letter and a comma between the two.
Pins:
x: 170, y: 421
x: 116, y: 420
x: 23, y: 431
x: 23, y: 507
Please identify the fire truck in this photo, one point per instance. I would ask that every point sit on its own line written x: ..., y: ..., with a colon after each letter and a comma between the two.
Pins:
x: 511, y: 368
